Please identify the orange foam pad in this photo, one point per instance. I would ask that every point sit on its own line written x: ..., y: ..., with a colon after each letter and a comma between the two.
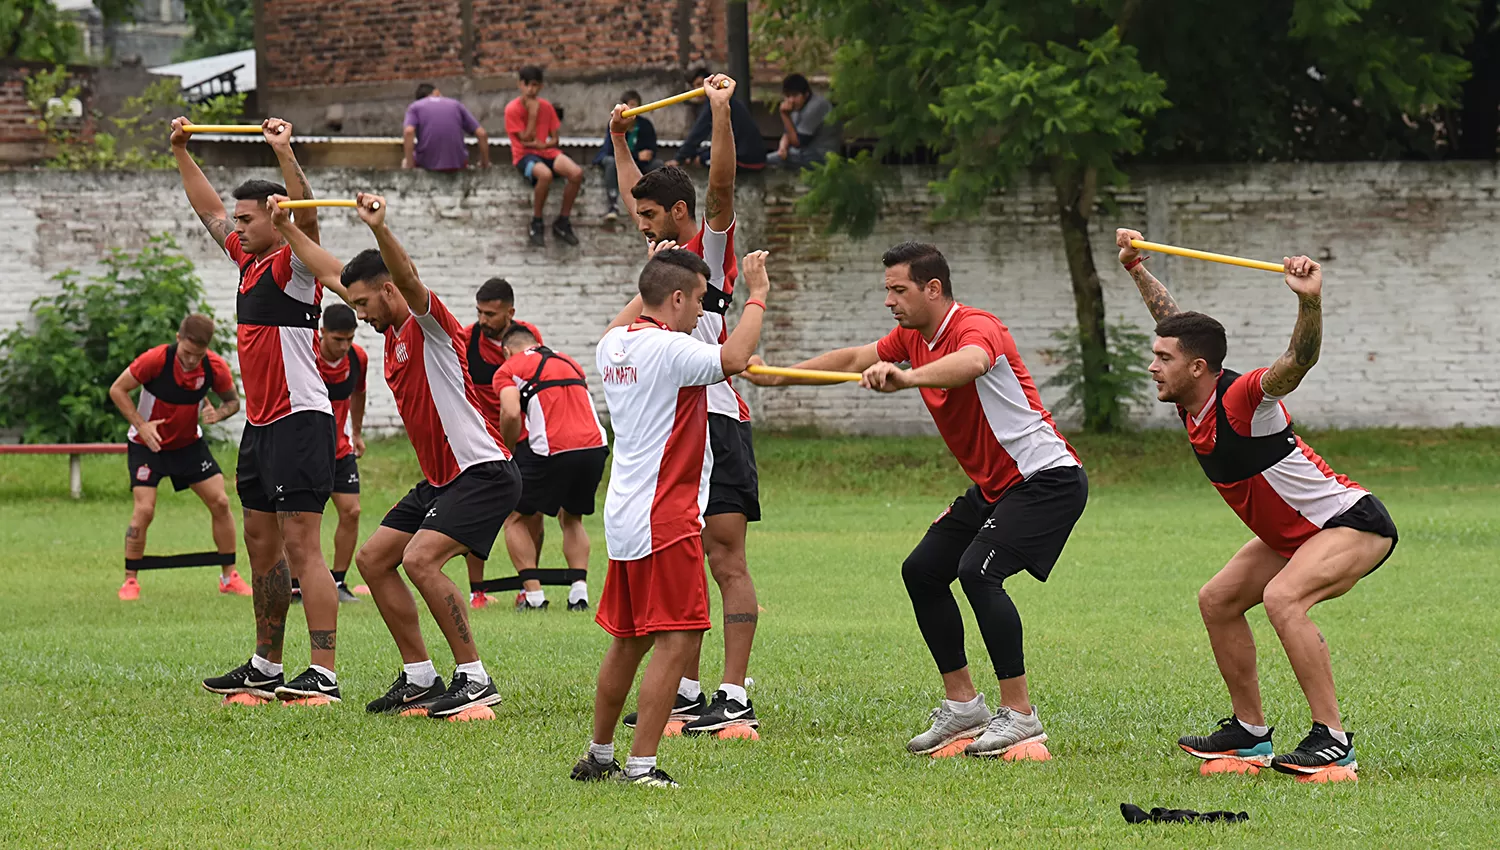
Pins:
x: 1335, y: 773
x: 414, y: 712
x: 361, y: 590
x: 244, y: 699
x: 478, y: 712
x: 1035, y: 751
x: 954, y: 749
x: 1213, y: 766
x: 738, y: 731
x: 308, y: 701
x: 674, y: 729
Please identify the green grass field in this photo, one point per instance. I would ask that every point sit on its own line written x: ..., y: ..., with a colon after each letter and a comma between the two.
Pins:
x: 107, y: 740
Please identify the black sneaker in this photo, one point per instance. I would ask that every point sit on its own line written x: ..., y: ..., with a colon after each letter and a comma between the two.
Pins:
x: 296, y: 595
x: 406, y: 694
x: 589, y: 769
x: 1230, y: 741
x: 562, y: 228
x: 1317, y: 752
x: 580, y: 605
x: 345, y: 595
x: 722, y: 713
x: 464, y: 693
x: 538, y: 233
x: 683, y: 709
x: 653, y: 778
x: 245, y: 679
x: 309, y: 683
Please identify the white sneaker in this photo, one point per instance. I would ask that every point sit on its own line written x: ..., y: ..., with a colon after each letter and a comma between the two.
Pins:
x: 1006, y: 731
x: 949, y: 725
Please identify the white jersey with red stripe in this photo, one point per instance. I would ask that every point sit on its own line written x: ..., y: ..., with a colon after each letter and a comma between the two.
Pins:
x: 424, y: 366
x: 278, y: 365
x: 655, y: 383
x: 996, y: 426
x: 1292, y: 500
x: 717, y: 250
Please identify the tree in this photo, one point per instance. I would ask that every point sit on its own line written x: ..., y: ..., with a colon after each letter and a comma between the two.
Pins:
x: 35, y: 31
x: 219, y: 26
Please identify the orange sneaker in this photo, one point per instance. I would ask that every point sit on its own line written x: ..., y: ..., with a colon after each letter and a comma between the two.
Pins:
x: 130, y: 590
x: 235, y: 585
x: 477, y: 599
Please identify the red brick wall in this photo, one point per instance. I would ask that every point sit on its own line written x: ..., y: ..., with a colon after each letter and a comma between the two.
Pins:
x: 16, y: 113
x: 341, y: 42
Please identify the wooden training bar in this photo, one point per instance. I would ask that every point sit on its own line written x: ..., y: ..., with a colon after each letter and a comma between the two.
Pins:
x: 809, y: 374
x: 1207, y: 255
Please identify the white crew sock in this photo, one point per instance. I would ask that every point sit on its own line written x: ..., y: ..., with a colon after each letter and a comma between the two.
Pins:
x: 974, y: 703
x: 1338, y: 735
x: 326, y: 672
x: 422, y: 674
x: 602, y: 753
x: 1257, y: 731
x: 579, y: 592
x: 689, y: 689
x: 475, y: 671
x: 265, y: 666
x: 637, y: 765
x: 535, y: 598
x: 735, y: 692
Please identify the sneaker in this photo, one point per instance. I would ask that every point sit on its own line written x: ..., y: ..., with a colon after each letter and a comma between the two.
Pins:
x: 1319, y: 750
x: 590, y: 769
x: 523, y: 606
x: 611, y: 215
x: 345, y: 595
x: 684, y: 709
x: 478, y: 600
x: 538, y: 233
x: 653, y: 778
x: 948, y: 725
x: 130, y: 590
x: 722, y: 713
x: 1007, y: 730
x: 405, y: 694
x: 309, y: 683
x: 562, y: 228
x: 296, y: 596
x: 235, y: 585
x: 464, y: 693
x: 1230, y: 741
x: 244, y: 679
x: 580, y: 605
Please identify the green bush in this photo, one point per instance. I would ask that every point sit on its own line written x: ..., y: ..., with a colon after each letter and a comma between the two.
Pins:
x: 1125, y: 384
x: 55, y: 372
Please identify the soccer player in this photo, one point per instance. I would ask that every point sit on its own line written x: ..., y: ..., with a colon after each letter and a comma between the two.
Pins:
x: 655, y: 598
x: 662, y: 204
x: 343, y: 365
x: 1316, y: 532
x: 1029, y: 490
x: 548, y: 417
x: 165, y: 439
x: 469, y: 483
x: 285, y: 472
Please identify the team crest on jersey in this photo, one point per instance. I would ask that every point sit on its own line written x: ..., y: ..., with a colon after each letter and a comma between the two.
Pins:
x: 143, y: 473
x: 946, y: 511
x: 198, y: 383
x: 400, y: 352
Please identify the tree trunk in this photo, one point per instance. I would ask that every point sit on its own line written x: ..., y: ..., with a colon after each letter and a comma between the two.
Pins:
x: 1479, y: 126
x: 737, y: 30
x: 1075, y: 186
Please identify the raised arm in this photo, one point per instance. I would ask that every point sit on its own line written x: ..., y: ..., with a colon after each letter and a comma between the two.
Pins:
x: 323, y: 264
x: 1158, y: 299
x: 201, y: 194
x: 627, y: 171
x: 278, y: 134
x: 855, y: 359
x: 1304, y: 277
x: 736, y: 352
x: 718, y: 201
x: 371, y: 210
x: 511, y: 415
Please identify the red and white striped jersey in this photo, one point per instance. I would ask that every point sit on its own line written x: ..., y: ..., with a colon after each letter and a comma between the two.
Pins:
x: 424, y: 366
x: 179, y: 419
x: 1291, y: 500
x: 559, y: 418
x: 717, y: 249
x: 277, y: 307
x: 996, y: 427
x: 655, y: 383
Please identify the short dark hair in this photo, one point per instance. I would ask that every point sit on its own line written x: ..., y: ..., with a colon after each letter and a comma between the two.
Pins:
x: 197, y: 328
x: 367, y: 265
x: 1198, y: 335
x: 495, y: 289
x: 516, y: 331
x: 629, y: 95
x: 795, y: 84
x: 425, y: 89
x: 926, y: 262
x: 673, y: 270
x: 257, y: 190
x: 667, y: 186
x: 531, y: 73
x: 700, y: 71
x: 339, y: 317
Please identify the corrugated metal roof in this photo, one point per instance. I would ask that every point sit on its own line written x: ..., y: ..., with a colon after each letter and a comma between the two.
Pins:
x: 197, y: 70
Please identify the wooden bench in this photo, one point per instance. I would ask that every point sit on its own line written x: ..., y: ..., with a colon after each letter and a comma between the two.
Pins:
x: 75, y: 453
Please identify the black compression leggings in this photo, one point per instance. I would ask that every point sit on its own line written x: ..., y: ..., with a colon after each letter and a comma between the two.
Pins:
x: 981, y: 568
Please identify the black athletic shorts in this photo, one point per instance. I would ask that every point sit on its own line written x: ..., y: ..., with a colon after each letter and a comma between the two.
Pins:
x: 470, y: 509
x: 287, y: 465
x: 185, y: 466
x: 734, y: 485
x: 567, y: 481
x: 346, y: 474
x: 1369, y: 514
x: 1031, y: 520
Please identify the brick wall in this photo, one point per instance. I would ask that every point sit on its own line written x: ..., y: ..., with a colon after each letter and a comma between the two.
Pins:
x: 20, y: 141
x: 1412, y: 294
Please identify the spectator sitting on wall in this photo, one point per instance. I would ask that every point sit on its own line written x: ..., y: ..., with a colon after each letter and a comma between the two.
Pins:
x: 809, y: 136
x: 434, y: 135
x: 641, y: 137
x: 749, y: 146
x: 533, y: 126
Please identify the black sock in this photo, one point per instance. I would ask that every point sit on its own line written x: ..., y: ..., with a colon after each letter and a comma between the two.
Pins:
x: 536, y: 219
x: 338, y: 576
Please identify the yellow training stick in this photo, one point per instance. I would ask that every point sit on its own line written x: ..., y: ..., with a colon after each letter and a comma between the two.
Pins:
x: 1206, y: 255
x: 811, y: 374
x: 321, y: 202
x: 667, y: 101
x: 221, y: 128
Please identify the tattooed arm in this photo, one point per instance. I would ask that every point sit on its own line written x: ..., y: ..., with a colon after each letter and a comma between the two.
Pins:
x: 1304, y: 277
x: 278, y: 134
x: 201, y: 194
x: 718, y: 201
x: 1158, y: 299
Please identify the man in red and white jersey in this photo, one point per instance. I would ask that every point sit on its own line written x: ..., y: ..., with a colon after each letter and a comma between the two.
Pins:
x: 655, y: 379
x: 1316, y: 532
x: 663, y: 206
x: 469, y: 483
x: 285, y: 470
x: 165, y: 440
x: 1029, y: 490
x: 344, y: 366
x: 547, y: 416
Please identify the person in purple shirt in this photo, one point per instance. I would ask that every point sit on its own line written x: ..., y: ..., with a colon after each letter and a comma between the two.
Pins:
x: 435, y: 130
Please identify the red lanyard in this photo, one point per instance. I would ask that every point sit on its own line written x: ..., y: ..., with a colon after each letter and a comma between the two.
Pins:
x: 650, y: 321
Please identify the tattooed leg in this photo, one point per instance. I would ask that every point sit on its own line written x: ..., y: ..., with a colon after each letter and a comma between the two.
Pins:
x: 724, y: 544
x: 270, y: 583
x: 320, y: 601
x: 141, y: 514
x: 424, y: 558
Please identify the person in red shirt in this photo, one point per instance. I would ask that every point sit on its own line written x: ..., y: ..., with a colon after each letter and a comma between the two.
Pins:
x: 343, y: 365
x: 1316, y: 532
x: 547, y: 416
x: 1029, y: 490
x: 165, y: 440
x: 533, y: 126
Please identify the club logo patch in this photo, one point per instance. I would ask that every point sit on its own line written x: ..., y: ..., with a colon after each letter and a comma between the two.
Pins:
x: 401, y: 352
x: 143, y: 473
x: 198, y: 383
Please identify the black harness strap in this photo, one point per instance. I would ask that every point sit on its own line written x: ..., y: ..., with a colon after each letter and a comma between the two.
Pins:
x: 345, y: 388
x: 535, y: 385
x: 1236, y: 457
x: 191, y: 559
x: 716, y: 300
x: 267, y: 304
x: 165, y: 387
x: 516, y: 582
x: 481, y: 371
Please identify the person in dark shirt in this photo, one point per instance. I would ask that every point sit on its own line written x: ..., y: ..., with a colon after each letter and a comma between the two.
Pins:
x: 749, y: 145
x: 641, y: 137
